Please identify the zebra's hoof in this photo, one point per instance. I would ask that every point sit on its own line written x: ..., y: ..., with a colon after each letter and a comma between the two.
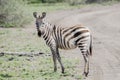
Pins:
x: 63, y: 70
x: 85, y: 74
x: 55, y: 69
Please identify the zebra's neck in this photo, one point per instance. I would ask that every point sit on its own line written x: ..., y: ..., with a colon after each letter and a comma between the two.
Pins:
x: 47, y: 31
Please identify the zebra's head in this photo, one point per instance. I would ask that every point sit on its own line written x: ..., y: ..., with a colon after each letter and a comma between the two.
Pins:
x: 39, y: 22
x: 39, y: 19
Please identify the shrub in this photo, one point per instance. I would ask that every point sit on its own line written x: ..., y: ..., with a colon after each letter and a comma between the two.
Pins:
x: 44, y: 1
x: 12, y: 13
x: 75, y: 2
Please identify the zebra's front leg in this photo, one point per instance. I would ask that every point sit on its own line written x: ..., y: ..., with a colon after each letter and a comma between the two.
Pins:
x: 55, y: 54
x: 54, y: 60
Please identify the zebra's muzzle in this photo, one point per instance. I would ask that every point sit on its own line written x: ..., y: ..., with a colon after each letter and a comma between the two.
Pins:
x: 37, y: 25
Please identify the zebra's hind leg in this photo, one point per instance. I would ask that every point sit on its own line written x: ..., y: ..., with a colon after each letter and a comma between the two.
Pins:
x: 86, y: 59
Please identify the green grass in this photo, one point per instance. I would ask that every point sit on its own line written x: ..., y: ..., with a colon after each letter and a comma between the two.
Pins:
x: 35, y: 68
x: 21, y: 40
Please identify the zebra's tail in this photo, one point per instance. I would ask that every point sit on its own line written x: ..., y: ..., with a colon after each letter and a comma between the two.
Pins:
x: 90, y: 48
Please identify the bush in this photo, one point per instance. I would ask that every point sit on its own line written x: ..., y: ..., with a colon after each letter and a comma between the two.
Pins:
x: 12, y: 13
x: 44, y: 1
x: 75, y: 2
x: 100, y: 1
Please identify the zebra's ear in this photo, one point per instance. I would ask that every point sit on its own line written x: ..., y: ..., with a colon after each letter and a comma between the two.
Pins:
x: 43, y: 15
x: 35, y: 14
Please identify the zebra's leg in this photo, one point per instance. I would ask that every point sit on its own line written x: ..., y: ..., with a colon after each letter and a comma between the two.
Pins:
x: 54, y: 60
x: 88, y: 58
x: 59, y: 60
x: 55, y: 53
x: 86, y: 66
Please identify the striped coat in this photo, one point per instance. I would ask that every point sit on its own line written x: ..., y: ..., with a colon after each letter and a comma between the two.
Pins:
x: 67, y: 38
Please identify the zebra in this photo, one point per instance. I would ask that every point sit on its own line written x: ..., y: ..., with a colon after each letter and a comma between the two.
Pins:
x: 65, y: 38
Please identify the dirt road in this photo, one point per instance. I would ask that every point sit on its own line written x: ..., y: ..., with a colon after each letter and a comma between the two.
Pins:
x: 104, y: 23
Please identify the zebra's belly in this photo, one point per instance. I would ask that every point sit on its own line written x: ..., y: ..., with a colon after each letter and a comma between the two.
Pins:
x: 67, y: 46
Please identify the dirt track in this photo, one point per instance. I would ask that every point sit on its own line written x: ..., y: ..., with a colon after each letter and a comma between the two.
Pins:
x: 104, y: 23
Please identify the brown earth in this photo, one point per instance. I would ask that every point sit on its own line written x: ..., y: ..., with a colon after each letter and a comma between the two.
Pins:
x: 104, y: 22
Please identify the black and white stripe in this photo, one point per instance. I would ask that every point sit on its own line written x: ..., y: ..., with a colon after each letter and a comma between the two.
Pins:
x: 65, y: 38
